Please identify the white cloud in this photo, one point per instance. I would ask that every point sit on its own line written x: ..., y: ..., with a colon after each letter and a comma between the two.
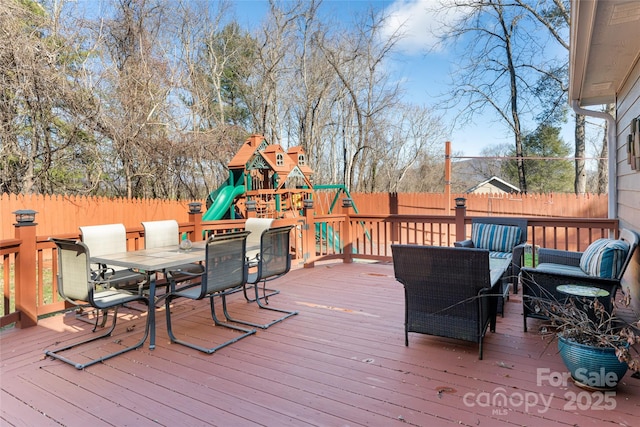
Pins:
x: 419, y: 23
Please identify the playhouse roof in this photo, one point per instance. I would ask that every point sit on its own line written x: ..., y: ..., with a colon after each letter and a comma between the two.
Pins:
x: 282, y: 166
x: 295, y: 153
x: 246, y: 151
x: 257, y: 145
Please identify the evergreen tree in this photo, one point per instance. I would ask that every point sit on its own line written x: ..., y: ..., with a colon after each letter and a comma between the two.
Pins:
x: 545, y: 153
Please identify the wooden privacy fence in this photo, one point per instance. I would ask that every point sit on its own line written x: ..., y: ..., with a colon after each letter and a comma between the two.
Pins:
x: 60, y: 213
x: 559, y: 205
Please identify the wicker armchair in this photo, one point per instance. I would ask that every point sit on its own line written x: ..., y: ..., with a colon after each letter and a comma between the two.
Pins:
x: 557, y: 267
x: 514, y: 251
x: 447, y: 291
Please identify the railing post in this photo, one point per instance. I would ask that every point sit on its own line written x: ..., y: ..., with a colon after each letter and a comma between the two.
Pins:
x: 461, y: 213
x: 251, y: 209
x: 309, y: 241
x: 195, y: 217
x: 25, y: 269
x: 347, y: 238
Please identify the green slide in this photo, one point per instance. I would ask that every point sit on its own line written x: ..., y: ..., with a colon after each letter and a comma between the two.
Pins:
x: 329, y: 236
x: 226, y: 194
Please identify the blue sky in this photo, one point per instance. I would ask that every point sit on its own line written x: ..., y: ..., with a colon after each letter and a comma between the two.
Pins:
x: 423, y: 67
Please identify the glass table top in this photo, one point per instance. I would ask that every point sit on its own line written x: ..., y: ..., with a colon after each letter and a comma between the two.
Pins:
x: 582, y: 291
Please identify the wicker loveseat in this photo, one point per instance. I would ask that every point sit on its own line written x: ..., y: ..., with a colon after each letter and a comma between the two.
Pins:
x: 601, y: 265
x: 447, y: 291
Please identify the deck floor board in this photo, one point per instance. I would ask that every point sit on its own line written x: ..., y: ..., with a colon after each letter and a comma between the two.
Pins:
x: 340, y: 362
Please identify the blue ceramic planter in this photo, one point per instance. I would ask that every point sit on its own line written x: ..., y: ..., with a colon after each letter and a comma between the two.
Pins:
x: 591, y: 367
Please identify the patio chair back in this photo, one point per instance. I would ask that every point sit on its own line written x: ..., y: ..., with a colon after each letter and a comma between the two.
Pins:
x: 256, y: 226
x: 508, y: 221
x: 225, y: 262
x: 110, y: 239
x: 275, y: 257
x: 104, y: 239
x: 74, y: 272
x: 158, y: 234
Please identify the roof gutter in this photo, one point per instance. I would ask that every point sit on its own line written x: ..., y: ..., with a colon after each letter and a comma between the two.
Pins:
x: 611, y: 153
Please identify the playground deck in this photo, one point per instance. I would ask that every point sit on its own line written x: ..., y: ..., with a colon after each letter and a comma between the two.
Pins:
x: 341, y: 361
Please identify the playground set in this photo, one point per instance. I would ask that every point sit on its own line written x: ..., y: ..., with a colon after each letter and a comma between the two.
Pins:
x: 273, y: 183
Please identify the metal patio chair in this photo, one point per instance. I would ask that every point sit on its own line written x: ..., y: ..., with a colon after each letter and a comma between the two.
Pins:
x: 164, y: 233
x: 225, y: 269
x: 109, y: 239
x: 79, y: 285
x: 273, y: 261
x: 257, y: 226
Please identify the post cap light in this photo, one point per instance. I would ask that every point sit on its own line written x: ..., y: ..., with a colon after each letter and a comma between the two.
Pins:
x: 251, y: 205
x: 25, y: 217
x: 194, y: 207
x: 460, y: 202
x: 347, y: 202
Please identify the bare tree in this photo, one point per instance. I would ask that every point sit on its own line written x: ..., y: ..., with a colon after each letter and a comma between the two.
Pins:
x: 151, y: 98
x: 136, y: 82
x: 492, y: 74
x: 215, y: 61
x: 414, y: 140
x: 554, y: 15
x: 45, y: 112
x: 272, y: 77
x: 358, y: 60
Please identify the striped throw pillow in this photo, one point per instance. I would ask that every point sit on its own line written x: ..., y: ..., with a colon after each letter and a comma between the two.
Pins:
x: 604, y: 258
x: 494, y: 237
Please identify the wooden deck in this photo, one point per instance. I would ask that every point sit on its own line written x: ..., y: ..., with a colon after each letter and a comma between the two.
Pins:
x: 341, y: 362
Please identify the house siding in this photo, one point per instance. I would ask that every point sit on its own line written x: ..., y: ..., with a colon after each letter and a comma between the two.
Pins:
x: 628, y: 180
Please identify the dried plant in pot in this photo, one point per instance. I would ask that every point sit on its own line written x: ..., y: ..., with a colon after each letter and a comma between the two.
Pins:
x: 596, y: 346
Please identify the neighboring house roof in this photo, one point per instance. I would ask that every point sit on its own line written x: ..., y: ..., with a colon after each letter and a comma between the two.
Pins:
x: 604, y: 47
x: 494, y: 181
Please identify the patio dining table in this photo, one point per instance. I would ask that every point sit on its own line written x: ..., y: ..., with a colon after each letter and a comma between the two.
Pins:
x: 151, y: 261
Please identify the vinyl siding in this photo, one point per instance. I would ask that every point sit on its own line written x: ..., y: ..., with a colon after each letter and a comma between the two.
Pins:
x: 628, y: 180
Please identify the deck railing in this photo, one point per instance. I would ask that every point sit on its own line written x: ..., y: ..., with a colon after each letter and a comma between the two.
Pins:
x: 29, y: 261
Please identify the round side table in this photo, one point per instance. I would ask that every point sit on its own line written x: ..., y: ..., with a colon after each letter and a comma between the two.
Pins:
x: 581, y: 292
